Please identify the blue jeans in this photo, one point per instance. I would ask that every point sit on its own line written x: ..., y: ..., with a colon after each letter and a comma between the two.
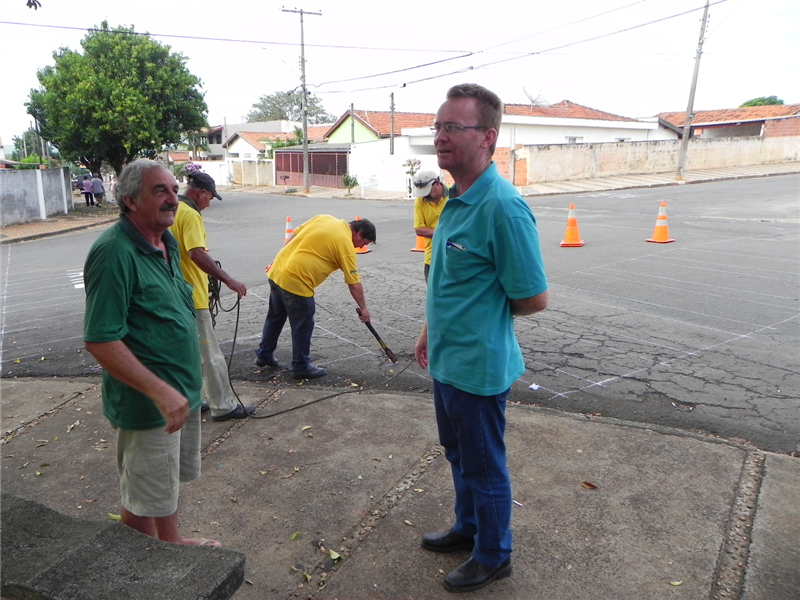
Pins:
x: 471, y: 429
x: 300, y: 312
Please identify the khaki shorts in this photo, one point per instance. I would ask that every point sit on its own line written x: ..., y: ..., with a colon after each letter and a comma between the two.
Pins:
x: 152, y: 464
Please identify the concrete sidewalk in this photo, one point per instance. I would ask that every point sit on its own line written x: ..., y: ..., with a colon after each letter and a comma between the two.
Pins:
x: 669, y: 514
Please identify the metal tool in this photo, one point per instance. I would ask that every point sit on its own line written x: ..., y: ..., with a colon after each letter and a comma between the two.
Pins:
x: 389, y: 353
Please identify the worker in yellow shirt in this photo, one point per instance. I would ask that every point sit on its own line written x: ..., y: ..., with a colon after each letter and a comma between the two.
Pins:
x: 318, y: 247
x: 431, y: 198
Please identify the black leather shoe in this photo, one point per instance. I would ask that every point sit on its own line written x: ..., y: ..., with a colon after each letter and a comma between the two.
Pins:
x: 447, y: 541
x: 261, y: 363
x: 311, y: 372
x: 472, y: 576
x: 204, y: 407
x: 240, y: 412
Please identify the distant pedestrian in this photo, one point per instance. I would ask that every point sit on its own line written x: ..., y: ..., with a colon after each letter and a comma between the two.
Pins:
x: 98, y: 189
x: 88, y: 191
x: 112, y: 187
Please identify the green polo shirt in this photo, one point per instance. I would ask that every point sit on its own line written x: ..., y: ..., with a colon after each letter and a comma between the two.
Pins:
x: 135, y: 296
x: 485, y: 254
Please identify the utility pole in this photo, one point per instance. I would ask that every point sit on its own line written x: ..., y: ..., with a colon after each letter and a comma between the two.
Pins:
x: 301, y: 12
x: 391, y: 126
x: 687, y: 126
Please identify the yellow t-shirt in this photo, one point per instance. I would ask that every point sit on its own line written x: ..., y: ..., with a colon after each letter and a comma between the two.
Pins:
x: 426, y: 214
x: 319, y: 247
x: 190, y: 232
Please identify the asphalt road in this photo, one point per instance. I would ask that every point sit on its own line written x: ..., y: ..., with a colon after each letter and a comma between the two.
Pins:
x: 699, y: 334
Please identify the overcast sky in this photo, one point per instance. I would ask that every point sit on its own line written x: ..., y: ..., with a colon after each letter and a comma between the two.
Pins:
x: 628, y: 57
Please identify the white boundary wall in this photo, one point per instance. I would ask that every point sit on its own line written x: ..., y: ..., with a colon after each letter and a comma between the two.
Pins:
x: 560, y: 162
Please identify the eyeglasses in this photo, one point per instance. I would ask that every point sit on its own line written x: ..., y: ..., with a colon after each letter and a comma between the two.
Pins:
x: 455, y: 127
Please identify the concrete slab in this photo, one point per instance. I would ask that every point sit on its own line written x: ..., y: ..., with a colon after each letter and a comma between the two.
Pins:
x: 49, y: 556
x: 26, y: 400
x: 361, y: 475
x: 287, y: 490
x: 773, y: 570
x: 650, y: 529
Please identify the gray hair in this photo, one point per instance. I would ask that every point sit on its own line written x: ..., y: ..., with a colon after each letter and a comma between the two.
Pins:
x: 129, y: 182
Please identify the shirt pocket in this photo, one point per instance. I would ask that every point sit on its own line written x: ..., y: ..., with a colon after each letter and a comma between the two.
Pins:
x: 462, y: 265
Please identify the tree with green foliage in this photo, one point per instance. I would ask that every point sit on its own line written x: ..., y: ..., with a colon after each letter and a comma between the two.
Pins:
x: 288, y: 106
x: 297, y: 140
x: 763, y: 101
x: 349, y: 181
x: 32, y: 161
x: 124, y: 97
x: 26, y: 144
x: 29, y: 143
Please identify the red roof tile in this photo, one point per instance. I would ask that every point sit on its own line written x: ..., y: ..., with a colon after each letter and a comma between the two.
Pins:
x: 381, y: 121
x: 562, y: 110
x: 316, y: 133
x: 732, y: 115
x: 257, y: 138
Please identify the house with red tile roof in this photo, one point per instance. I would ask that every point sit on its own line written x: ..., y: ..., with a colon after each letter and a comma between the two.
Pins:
x: 773, y: 120
x: 375, y: 144
x: 178, y: 156
x: 366, y: 125
x: 214, y: 137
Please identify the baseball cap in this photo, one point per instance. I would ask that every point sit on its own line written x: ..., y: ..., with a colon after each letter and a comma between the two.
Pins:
x: 203, y: 181
x: 423, y: 182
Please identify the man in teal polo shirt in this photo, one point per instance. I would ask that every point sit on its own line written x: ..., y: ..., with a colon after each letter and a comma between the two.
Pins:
x: 486, y: 269
x: 139, y: 325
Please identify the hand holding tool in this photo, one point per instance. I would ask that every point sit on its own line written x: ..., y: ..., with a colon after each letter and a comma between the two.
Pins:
x: 389, y: 353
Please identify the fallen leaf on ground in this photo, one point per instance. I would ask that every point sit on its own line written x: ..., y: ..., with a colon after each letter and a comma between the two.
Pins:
x: 676, y: 583
x: 114, y: 517
x: 334, y: 555
x: 588, y: 486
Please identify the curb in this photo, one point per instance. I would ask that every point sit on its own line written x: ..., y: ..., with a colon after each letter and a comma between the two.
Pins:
x: 36, y: 236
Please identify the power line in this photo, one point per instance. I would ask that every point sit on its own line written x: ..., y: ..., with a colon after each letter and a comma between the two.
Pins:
x: 565, y: 25
x: 484, y: 51
x: 234, y: 40
x: 526, y: 55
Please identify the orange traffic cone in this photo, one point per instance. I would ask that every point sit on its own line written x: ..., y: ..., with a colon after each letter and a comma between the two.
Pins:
x: 420, y: 247
x: 661, y: 231
x: 363, y: 249
x: 289, y: 231
x: 572, y: 239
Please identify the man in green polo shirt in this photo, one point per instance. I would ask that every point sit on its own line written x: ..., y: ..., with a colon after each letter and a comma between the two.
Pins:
x: 139, y: 325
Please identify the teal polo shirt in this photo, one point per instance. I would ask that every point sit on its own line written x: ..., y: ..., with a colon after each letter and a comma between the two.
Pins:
x: 485, y: 254
x: 135, y: 296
